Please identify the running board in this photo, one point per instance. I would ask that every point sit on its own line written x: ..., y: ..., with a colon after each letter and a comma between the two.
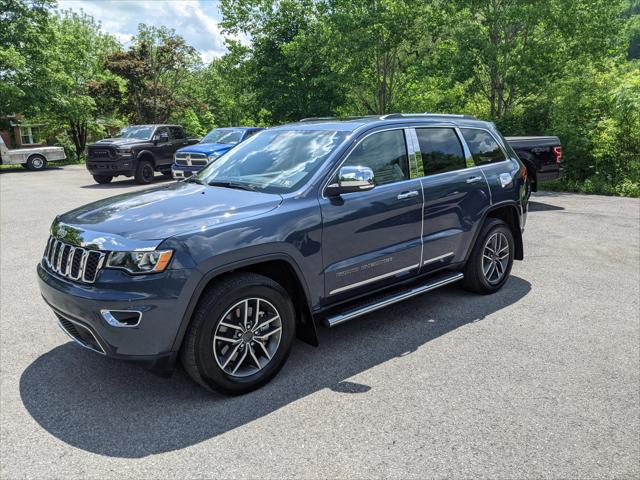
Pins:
x: 337, y: 319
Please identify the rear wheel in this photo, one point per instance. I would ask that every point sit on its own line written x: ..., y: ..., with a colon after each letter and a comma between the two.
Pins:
x: 490, y: 262
x: 102, y: 179
x: 144, y: 172
x: 240, y: 334
x: 36, y: 162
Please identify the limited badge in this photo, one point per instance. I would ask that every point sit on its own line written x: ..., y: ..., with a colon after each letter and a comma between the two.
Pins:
x: 62, y: 232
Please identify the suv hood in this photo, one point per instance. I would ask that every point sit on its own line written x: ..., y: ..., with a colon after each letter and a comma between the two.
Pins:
x: 118, y: 142
x: 207, y: 148
x: 159, y: 213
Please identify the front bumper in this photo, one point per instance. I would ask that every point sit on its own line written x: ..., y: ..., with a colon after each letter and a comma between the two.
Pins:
x: 184, y: 171
x: 161, y: 300
x: 117, y: 166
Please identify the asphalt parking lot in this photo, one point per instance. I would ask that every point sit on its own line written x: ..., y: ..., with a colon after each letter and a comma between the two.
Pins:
x: 539, y: 380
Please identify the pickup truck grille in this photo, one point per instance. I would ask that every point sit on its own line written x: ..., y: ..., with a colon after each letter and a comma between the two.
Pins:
x: 101, y: 152
x: 75, y: 263
x: 191, y: 159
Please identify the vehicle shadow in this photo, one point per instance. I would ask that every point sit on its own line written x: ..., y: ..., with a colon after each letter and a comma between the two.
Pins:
x: 127, y: 183
x: 19, y: 168
x: 542, y: 207
x: 117, y: 409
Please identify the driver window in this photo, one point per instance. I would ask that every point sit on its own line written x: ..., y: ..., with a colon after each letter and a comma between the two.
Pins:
x: 162, y: 131
x: 385, y: 153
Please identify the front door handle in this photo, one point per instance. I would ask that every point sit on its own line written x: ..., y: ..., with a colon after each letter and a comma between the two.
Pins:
x: 405, y: 195
x: 474, y: 179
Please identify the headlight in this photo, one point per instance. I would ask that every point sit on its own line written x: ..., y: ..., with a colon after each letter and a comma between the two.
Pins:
x: 140, y: 262
x: 124, y: 152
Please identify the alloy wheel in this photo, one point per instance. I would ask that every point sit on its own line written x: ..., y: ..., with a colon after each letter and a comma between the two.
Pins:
x: 247, y: 337
x: 495, y: 258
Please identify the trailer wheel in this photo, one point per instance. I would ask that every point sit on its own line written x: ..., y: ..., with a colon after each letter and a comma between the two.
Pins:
x: 36, y: 162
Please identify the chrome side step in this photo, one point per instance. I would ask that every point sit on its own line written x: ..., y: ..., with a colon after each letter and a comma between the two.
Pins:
x: 337, y: 319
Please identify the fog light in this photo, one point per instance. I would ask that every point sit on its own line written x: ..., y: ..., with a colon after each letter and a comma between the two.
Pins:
x: 122, y: 318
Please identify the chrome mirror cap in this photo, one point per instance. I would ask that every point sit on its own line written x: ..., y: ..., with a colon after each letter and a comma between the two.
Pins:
x: 352, y: 179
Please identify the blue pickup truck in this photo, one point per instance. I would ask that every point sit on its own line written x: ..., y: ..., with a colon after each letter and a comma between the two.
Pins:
x: 312, y: 223
x: 192, y: 159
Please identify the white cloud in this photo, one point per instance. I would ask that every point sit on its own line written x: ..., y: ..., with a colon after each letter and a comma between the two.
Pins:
x: 196, y: 21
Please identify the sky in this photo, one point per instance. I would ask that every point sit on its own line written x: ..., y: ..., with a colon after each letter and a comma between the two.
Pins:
x: 195, y: 20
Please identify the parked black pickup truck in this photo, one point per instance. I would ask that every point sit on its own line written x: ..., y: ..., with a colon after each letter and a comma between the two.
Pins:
x: 138, y: 151
x: 541, y: 156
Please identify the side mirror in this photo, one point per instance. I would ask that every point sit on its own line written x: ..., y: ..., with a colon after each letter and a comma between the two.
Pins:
x: 351, y: 179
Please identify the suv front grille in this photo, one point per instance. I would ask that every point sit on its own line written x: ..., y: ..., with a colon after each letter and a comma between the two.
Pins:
x: 75, y: 263
x: 101, y: 153
x: 192, y: 159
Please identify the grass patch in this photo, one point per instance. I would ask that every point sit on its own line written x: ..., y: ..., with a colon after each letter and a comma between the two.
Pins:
x: 594, y: 186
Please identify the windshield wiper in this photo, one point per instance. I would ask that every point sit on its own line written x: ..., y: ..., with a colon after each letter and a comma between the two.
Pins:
x: 239, y: 186
x: 195, y: 180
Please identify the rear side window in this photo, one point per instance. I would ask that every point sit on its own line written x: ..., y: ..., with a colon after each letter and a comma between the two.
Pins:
x: 177, y: 132
x: 441, y: 150
x: 484, y: 148
x: 250, y: 133
x: 385, y: 153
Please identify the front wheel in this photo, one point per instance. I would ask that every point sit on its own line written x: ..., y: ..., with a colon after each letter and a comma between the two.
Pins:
x: 36, y: 162
x: 144, y: 172
x: 240, y: 334
x: 490, y: 262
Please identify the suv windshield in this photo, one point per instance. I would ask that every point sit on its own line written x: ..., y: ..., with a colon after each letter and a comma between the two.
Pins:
x: 230, y: 137
x: 276, y: 161
x: 136, y: 131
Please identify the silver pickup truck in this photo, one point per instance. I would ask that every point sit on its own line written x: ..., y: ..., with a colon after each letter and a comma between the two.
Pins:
x: 35, y: 158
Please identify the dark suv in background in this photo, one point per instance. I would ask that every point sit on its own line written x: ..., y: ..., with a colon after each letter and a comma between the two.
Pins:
x: 317, y: 222
x: 137, y: 151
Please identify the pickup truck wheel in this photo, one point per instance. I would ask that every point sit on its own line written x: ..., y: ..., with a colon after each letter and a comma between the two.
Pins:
x: 240, y: 334
x: 36, y: 162
x: 144, y: 172
x: 102, y: 179
x: 490, y: 263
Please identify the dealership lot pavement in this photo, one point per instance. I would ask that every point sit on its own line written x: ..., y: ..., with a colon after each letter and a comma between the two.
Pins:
x: 539, y: 380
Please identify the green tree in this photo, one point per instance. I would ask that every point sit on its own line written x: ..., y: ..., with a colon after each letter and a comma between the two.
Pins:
x: 78, y: 86
x: 155, y: 68
x: 25, y: 33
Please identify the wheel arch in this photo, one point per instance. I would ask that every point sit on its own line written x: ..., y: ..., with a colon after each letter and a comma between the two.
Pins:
x: 508, y: 213
x: 279, y: 267
x: 146, y: 155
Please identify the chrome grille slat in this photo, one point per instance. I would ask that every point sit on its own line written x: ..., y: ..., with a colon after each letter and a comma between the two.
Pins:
x: 74, y: 263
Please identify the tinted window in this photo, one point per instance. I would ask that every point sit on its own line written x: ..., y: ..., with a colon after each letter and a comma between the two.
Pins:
x: 441, y: 150
x: 250, y: 133
x: 484, y: 148
x: 176, y: 132
x: 385, y: 153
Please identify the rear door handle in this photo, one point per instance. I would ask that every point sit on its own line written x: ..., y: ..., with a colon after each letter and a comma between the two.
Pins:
x: 405, y: 195
x: 474, y: 179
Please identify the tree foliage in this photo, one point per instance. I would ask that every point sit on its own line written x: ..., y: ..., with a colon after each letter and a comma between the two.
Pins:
x: 561, y: 67
x: 154, y: 68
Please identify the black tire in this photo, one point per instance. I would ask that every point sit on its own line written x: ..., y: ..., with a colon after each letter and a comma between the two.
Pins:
x: 36, y: 163
x: 102, y: 179
x: 144, y: 172
x: 475, y: 279
x: 217, y: 304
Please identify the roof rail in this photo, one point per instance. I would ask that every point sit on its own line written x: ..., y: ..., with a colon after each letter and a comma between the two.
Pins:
x: 425, y: 114
x: 317, y: 119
